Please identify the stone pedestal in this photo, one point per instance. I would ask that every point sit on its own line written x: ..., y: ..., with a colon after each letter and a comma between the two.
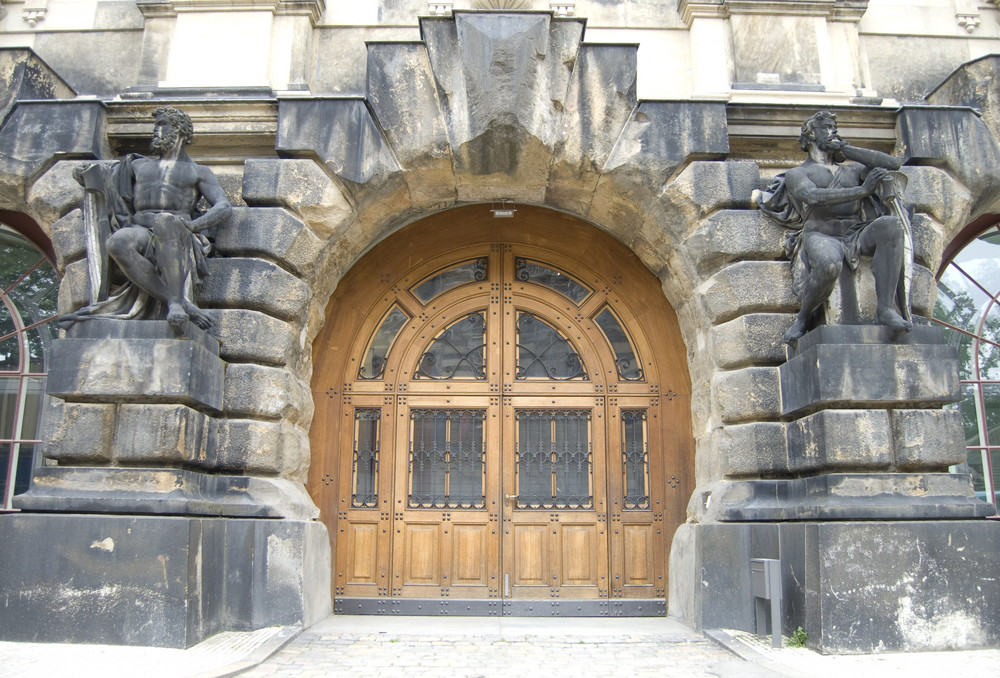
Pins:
x: 161, y: 581
x: 141, y: 536
x: 854, y: 587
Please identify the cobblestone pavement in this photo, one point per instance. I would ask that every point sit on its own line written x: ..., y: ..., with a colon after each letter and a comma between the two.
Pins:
x: 384, y: 647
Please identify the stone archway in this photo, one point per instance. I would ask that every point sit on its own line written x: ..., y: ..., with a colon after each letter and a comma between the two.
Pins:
x: 417, y: 509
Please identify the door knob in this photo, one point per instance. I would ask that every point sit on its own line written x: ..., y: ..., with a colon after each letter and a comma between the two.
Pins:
x: 507, y: 498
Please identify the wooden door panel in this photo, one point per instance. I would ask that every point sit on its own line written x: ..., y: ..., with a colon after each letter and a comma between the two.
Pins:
x: 422, y: 553
x: 581, y: 549
x: 363, y: 547
x: 470, y: 554
x: 530, y: 555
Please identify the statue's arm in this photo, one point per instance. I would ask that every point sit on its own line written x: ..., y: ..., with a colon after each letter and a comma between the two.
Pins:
x: 220, y: 209
x: 802, y: 187
x: 870, y: 158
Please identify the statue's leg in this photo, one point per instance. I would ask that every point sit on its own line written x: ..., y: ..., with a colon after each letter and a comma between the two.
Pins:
x: 825, y: 258
x: 883, y: 240
x: 174, y: 264
x: 127, y: 247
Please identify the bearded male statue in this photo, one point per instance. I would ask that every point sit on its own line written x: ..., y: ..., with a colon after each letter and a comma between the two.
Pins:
x: 143, y: 214
x: 844, y: 203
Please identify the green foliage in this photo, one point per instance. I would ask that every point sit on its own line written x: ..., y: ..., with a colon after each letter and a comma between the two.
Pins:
x: 798, y: 639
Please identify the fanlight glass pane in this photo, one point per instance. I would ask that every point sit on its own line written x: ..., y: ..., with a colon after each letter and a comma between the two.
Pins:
x: 543, y: 353
x: 10, y: 350
x: 635, y: 459
x: 466, y: 272
x: 17, y: 256
x: 627, y: 363
x: 540, y: 274
x: 458, y: 352
x: 447, y: 459
x: 366, y: 448
x: 553, y: 461
x: 378, y: 348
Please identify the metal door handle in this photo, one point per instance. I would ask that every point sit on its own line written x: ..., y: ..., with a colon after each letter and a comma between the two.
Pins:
x: 507, y: 498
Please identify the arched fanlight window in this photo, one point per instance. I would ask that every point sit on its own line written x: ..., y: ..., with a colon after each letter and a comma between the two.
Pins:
x: 28, y: 288
x: 968, y: 305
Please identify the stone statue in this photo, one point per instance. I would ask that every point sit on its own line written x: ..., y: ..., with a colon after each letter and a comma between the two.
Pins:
x: 844, y: 203
x: 143, y: 213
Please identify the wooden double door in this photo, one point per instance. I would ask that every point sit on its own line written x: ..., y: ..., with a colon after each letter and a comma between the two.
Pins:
x: 499, y: 440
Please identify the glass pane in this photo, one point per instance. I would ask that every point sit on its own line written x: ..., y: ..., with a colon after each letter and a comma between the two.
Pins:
x: 635, y: 459
x: 39, y: 339
x: 447, y: 459
x: 459, y: 352
x: 17, y: 256
x: 532, y: 271
x: 969, y: 405
x: 553, y: 459
x: 366, y: 444
x: 10, y: 354
x: 466, y: 272
x: 33, y: 402
x: 8, y: 406
x: 543, y: 353
x: 378, y: 348
x: 35, y: 296
x: 991, y: 406
x: 626, y: 361
x: 989, y: 345
x: 25, y: 467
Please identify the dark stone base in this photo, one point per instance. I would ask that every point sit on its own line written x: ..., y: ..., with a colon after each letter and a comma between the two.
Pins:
x: 854, y: 587
x: 853, y: 496
x: 142, y: 491
x: 160, y: 581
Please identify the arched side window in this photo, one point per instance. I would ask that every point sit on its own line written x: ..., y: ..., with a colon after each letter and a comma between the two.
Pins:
x: 968, y: 305
x: 28, y: 289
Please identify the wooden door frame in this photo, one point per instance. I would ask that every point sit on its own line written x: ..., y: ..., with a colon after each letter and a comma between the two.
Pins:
x: 557, y: 238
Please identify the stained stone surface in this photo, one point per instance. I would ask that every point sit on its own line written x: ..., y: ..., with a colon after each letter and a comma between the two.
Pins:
x: 855, y: 587
x: 160, y: 581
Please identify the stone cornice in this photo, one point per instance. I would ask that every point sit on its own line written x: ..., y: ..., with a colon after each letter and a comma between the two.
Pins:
x: 164, y: 8
x: 835, y: 10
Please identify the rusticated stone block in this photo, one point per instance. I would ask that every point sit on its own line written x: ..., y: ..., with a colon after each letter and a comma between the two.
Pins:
x: 105, y: 360
x: 260, y: 392
x: 79, y: 433
x: 749, y: 287
x: 747, y: 394
x: 753, y: 449
x: 159, y: 435
x: 752, y: 339
x: 67, y: 239
x: 299, y: 185
x: 259, y: 448
x: 732, y: 235
x: 854, y: 365
x: 272, y: 233
x: 254, y: 284
x: 840, y: 439
x: 927, y: 439
x: 252, y: 336
x: 74, y: 288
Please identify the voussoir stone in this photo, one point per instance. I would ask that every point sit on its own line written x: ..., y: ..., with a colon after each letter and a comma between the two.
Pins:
x: 301, y: 186
x: 748, y: 394
x: 252, y: 336
x: 254, y: 284
x: 751, y: 339
x: 733, y: 235
x: 260, y: 392
x: 748, y: 287
x: 272, y: 233
x: 68, y: 239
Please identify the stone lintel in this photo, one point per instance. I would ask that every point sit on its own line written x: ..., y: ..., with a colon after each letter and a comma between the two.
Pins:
x: 163, y: 581
x: 859, y: 365
x: 853, y: 496
x: 106, y: 360
x: 152, y: 491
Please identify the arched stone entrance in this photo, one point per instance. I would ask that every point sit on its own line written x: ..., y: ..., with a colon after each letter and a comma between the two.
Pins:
x: 502, y: 418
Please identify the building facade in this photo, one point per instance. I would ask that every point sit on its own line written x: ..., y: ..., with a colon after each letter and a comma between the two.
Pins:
x: 496, y: 320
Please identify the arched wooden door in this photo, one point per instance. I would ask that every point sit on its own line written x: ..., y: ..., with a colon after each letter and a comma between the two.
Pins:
x: 502, y: 422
